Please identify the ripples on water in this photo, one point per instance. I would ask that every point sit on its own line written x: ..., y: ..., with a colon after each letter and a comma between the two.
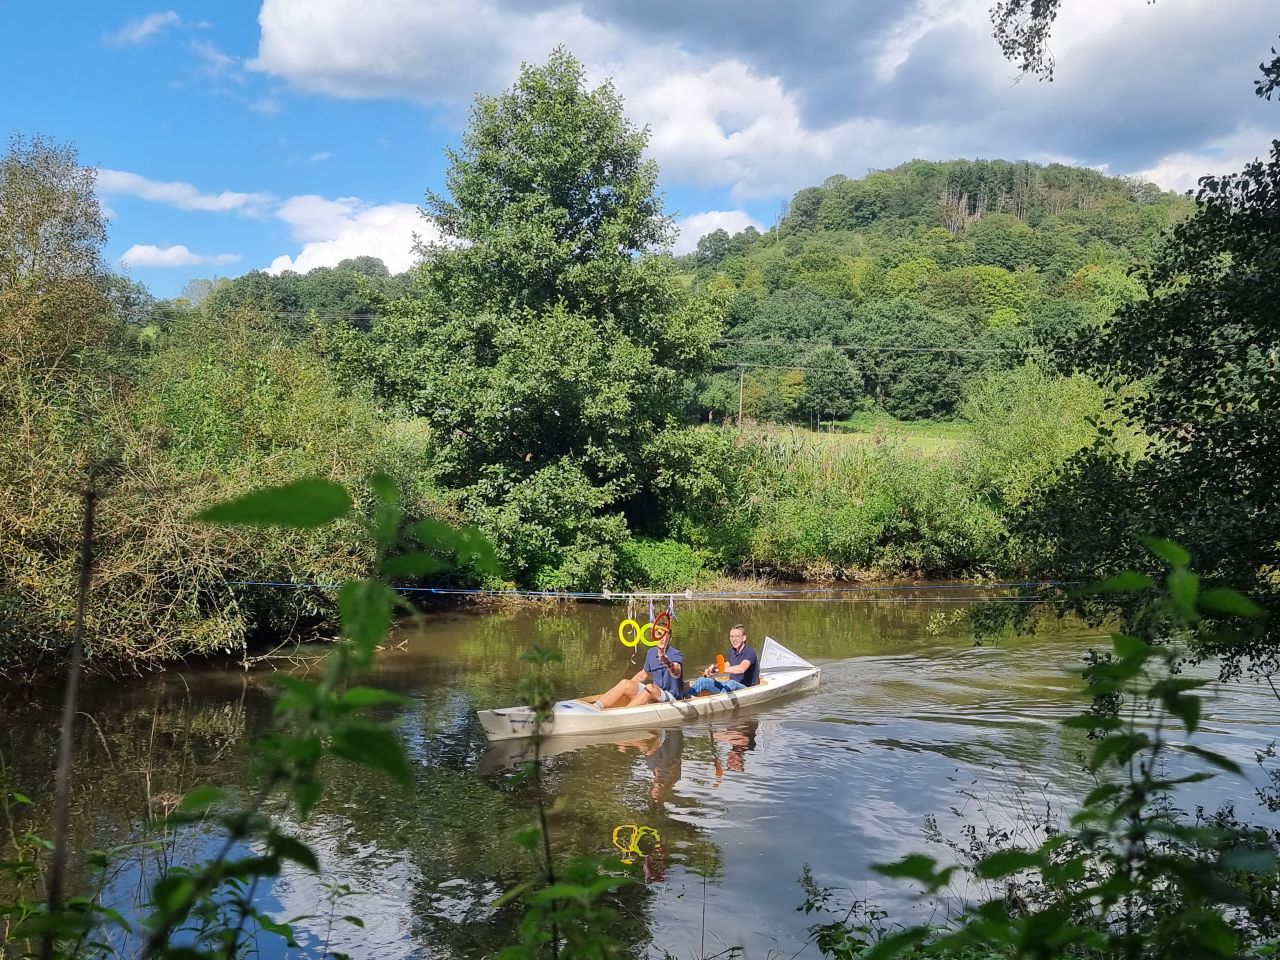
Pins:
x: 911, y: 720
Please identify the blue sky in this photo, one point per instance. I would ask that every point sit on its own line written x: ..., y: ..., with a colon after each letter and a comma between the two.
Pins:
x: 294, y: 133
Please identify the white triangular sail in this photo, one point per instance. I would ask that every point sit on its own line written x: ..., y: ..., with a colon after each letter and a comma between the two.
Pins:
x: 774, y: 656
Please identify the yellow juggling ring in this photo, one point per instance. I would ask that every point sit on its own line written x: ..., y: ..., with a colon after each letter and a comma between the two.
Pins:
x: 642, y: 632
x: 622, y: 633
x: 632, y: 846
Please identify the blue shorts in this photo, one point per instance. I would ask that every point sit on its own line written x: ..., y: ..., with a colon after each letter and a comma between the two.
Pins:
x: 712, y: 685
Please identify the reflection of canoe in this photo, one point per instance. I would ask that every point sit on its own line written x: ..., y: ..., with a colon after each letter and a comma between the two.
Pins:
x: 504, y: 754
x: 781, y: 672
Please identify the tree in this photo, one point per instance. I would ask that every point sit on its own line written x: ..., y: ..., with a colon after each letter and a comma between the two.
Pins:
x: 917, y: 374
x: 54, y: 287
x: 831, y: 384
x: 551, y: 340
x: 1204, y: 346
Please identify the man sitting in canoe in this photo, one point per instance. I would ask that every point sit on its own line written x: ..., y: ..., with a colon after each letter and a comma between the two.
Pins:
x: 743, y: 667
x: 661, y: 680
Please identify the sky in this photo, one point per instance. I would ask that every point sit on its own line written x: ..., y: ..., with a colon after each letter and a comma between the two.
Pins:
x: 292, y: 134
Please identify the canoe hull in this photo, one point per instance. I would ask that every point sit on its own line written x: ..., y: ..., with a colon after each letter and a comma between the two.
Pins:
x: 577, y: 717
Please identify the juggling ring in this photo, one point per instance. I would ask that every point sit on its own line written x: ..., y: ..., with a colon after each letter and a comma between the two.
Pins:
x: 638, y: 636
x: 638, y: 833
x: 662, y: 622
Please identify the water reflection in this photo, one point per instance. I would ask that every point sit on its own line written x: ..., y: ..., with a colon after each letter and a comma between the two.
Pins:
x: 911, y: 720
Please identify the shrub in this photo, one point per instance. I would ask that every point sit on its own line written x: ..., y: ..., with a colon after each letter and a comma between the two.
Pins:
x: 660, y: 565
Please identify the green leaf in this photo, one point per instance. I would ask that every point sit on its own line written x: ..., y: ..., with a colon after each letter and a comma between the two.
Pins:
x: 528, y: 838
x: 1099, y: 794
x: 354, y: 921
x: 1217, y: 759
x: 303, y: 504
x: 414, y: 564
x: 1220, y: 600
x: 512, y: 893
x: 279, y: 929
x: 201, y: 798
x: 436, y: 534
x: 370, y: 696
x: 294, y: 850
x: 915, y: 866
x: 474, y: 548
x: 365, y: 606
x: 1213, y: 933
x: 895, y: 944
x: 374, y: 747
x: 21, y: 798
x: 1007, y: 862
x: 1127, y: 646
x: 1183, y: 587
x: 1167, y: 550
x: 384, y: 488
x: 1186, y: 709
x: 1121, y: 746
x: 1130, y: 581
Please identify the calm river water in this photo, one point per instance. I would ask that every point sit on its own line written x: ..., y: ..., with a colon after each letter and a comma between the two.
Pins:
x: 912, y: 720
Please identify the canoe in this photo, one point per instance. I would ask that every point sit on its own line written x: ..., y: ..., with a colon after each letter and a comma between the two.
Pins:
x: 782, y: 673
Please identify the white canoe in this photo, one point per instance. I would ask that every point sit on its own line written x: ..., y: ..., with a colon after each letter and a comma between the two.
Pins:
x: 781, y: 673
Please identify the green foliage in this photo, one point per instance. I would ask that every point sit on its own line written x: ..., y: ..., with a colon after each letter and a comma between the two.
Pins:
x: 1202, y: 345
x: 550, y: 341
x: 1003, y: 257
x: 208, y: 909
x: 218, y: 408
x: 1026, y: 423
x: 660, y: 565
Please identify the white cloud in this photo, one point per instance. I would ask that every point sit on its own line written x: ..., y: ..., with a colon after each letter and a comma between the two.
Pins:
x: 320, y: 156
x: 268, y: 106
x: 1181, y: 171
x: 335, y: 230
x: 143, y: 29
x: 149, y: 255
x: 182, y: 195
x: 214, y: 61
x: 765, y: 101
x: 696, y: 226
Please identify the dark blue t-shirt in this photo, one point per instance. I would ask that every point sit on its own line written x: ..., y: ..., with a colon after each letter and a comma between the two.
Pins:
x: 752, y: 676
x: 661, y: 676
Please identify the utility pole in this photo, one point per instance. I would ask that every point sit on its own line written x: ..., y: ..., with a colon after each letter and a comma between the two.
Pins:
x: 741, y: 374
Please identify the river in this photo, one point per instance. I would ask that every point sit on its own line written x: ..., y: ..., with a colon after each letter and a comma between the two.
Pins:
x: 913, y: 724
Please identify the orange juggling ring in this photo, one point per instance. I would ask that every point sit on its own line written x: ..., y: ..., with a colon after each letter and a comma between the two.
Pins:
x: 661, y: 627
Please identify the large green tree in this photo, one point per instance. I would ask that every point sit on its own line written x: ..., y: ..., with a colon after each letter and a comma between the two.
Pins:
x: 1205, y: 345
x: 548, y: 339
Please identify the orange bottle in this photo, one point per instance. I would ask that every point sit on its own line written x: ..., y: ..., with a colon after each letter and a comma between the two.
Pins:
x: 720, y: 663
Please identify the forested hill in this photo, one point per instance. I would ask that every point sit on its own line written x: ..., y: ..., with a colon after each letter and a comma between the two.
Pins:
x: 970, y: 263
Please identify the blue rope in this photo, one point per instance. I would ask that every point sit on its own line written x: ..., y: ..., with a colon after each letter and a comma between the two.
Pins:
x: 757, y: 596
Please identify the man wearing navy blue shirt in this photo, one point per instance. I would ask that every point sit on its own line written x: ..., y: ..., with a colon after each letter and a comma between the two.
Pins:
x: 743, y: 667
x: 661, y: 680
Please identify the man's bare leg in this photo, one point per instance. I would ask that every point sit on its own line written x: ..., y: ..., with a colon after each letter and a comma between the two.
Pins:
x: 619, y: 692
x: 644, y: 696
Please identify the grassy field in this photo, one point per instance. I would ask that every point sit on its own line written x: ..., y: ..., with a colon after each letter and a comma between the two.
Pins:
x: 924, y: 436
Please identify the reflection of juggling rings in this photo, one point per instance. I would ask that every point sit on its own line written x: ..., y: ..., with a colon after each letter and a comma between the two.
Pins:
x: 632, y: 846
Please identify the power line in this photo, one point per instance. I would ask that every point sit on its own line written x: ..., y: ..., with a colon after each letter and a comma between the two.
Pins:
x: 873, y: 348
x: 774, y: 366
x: 866, y: 348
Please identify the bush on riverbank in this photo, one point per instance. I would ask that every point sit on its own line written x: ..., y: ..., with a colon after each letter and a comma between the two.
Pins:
x: 218, y: 408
